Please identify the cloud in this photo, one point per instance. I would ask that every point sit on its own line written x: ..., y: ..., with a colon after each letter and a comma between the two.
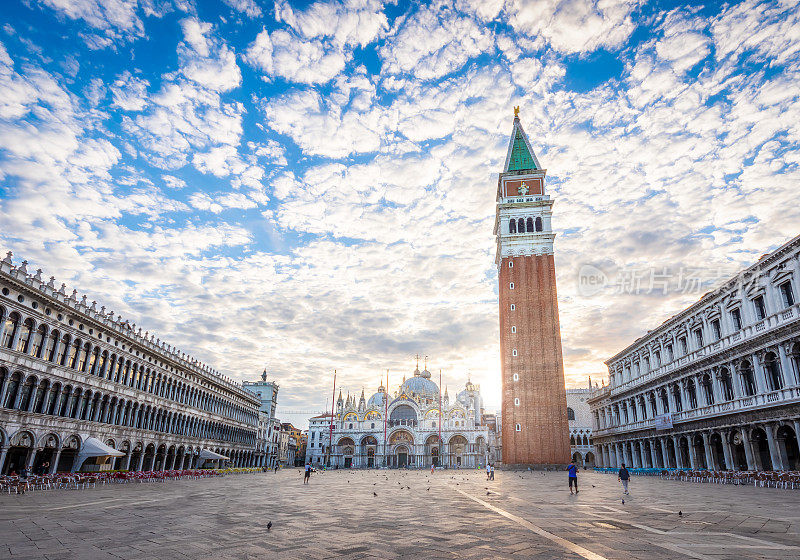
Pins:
x: 247, y: 7
x: 435, y: 42
x: 319, y: 41
x: 574, y: 26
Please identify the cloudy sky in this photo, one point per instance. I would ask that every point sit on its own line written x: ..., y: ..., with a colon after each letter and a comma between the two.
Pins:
x: 311, y: 186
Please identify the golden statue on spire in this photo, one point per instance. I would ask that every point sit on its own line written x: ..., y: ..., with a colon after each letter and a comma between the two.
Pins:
x: 516, y: 112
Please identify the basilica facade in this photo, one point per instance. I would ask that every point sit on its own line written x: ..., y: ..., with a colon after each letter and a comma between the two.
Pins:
x: 416, y: 427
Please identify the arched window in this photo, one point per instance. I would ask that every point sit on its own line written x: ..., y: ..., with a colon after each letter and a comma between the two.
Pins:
x: 512, y: 226
x: 521, y: 225
x: 39, y: 340
x: 570, y: 414
x: 773, y: 370
x: 74, y: 350
x: 725, y: 382
x: 10, y: 329
x: 529, y: 225
x: 50, y: 352
x: 748, y: 381
x: 572, y: 440
x: 538, y: 223
x: 63, y: 351
x: 23, y: 344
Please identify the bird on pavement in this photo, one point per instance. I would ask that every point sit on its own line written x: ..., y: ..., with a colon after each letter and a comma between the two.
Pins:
x: 680, y: 513
x: 269, y: 525
x: 374, y: 494
x: 623, y: 501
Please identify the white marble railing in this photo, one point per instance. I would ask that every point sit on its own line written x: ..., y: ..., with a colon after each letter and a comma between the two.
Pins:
x: 767, y: 324
x: 788, y: 394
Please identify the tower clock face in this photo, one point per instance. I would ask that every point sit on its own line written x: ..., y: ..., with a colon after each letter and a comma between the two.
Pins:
x: 522, y: 187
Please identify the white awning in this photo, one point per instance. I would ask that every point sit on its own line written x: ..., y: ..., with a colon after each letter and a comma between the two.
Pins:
x: 93, y: 447
x: 210, y: 455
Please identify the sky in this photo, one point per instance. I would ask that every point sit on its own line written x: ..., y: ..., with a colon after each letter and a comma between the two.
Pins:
x: 310, y: 186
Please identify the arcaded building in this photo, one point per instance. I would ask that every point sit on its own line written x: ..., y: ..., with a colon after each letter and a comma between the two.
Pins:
x: 534, y: 415
x: 76, y: 379
x: 717, y: 386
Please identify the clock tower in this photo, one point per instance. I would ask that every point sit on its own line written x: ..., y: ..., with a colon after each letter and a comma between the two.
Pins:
x: 535, y: 426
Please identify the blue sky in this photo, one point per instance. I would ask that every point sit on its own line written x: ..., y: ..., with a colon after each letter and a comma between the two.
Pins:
x: 309, y: 186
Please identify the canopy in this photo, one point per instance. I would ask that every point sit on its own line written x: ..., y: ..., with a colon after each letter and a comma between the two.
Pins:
x: 93, y: 447
x: 211, y: 456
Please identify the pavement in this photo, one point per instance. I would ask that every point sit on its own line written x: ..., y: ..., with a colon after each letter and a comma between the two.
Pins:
x: 403, y: 514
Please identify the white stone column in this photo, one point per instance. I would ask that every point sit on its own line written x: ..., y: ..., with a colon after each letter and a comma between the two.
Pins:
x: 710, y: 463
x: 748, y: 449
x: 678, y: 454
x: 727, y: 451
x: 692, y: 451
x: 3, y: 450
x: 56, y: 459
x: 758, y: 371
x: 786, y: 367
x: 774, y: 452
x: 736, y: 381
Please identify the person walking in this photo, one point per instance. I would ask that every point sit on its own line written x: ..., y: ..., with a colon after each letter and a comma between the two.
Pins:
x: 488, y: 471
x: 623, y: 477
x: 491, y: 472
x: 308, y: 473
x: 573, y: 476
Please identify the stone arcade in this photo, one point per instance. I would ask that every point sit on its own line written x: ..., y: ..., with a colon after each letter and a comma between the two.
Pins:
x: 716, y: 386
x: 70, y: 371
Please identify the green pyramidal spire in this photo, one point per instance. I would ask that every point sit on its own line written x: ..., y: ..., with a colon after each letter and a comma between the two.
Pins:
x: 520, y: 154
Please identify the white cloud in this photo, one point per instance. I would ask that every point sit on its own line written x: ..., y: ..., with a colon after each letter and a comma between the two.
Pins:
x: 283, y: 54
x: 435, y: 42
x: 247, y: 7
x: 129, y: 93
x: 574, y: 26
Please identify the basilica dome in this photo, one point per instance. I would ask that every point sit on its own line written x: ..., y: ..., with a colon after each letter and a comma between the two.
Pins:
x: 377, y: 400
x: 420, y: 385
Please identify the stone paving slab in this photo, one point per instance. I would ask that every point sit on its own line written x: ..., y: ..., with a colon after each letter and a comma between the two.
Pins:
x: 447, y: 515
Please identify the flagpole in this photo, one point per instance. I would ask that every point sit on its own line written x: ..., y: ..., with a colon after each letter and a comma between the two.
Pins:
x: 333, y: 404
x: 385, y: 413
x: 440, y: 415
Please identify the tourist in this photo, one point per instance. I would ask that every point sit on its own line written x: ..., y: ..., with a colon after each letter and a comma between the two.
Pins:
x: 573, y: 476
x: 308, y: 473
x: 433, y: 468
x: 491, y: 472
x: 624, y: 477
x: 488, y: 471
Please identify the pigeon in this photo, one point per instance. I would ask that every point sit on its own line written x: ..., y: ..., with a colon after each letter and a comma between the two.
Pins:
x: 429, y: 489
x: 487, y: 493
x: 623, y: 501
x: 592, y: 485
x: 269, y: 525
x: 680, y: 514
x: 374, y: 494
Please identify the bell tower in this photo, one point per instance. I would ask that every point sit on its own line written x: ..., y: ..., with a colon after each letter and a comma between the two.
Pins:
x: 535, y: 426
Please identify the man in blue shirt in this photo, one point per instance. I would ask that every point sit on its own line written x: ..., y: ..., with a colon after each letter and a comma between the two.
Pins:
x: 573, y: 477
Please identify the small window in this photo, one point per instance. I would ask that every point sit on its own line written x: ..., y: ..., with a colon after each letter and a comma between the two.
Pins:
x: 516, y: 402
x: 513, y: 307
x: 516, y: 377
x: 715, y: 328
x: 511, y: 285
x: 570, y: 414
x: 698, y: 336
x: 529, y: 223
x: 512, y: 226
x: 510, y: 264
x: 519, y: 427
x: 684, y: 347
x: 736, y: 317
x: 538, y: 224
x: 514, y: 352
x: 513, y: 330
x: 761, y: 311
x: 787, y: 294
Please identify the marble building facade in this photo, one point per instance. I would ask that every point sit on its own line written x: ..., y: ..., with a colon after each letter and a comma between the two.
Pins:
x: 71, y: 372
x: 716, y: 386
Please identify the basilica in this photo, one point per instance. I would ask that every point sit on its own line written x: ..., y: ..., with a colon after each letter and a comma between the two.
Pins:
x: 416, y: 427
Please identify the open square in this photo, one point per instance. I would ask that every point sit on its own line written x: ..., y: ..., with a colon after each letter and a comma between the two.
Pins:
x: 450, y: 514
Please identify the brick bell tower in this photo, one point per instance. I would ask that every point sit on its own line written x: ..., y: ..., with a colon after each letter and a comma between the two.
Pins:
x: 535, y: 427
